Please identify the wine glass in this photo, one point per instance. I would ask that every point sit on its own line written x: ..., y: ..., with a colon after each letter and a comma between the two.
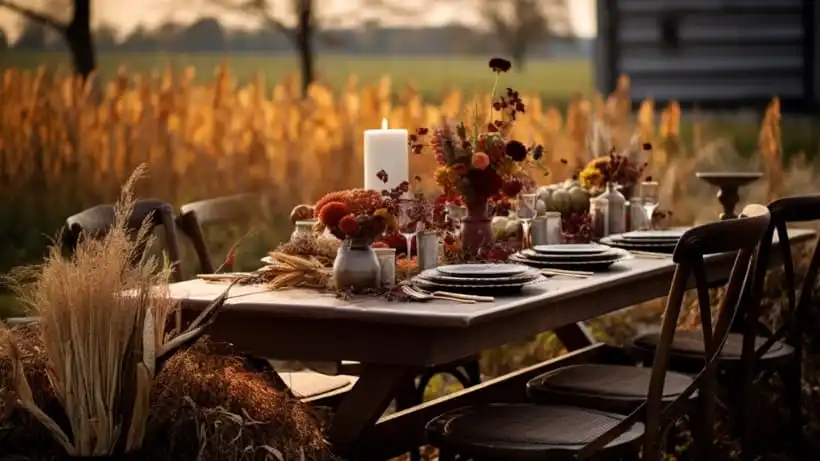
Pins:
x: 409, y: 224
x: 525, y: 210
x: 649, y: 199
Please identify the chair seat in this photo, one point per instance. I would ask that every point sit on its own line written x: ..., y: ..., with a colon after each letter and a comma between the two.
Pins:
x: 527, y: 431
x: 309, y: 385
x: 614, y: 388
x: 689, y: 344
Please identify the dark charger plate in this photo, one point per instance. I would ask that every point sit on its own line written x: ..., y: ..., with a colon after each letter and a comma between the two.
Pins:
x: 496, y: 289
x: 482, y: 270
x: 610, y: 254
x: 617, y: 242
x: 433, y: 275
x: 575, y: 265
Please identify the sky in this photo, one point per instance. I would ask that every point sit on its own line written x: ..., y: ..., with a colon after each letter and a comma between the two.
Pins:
x: 127, y: 14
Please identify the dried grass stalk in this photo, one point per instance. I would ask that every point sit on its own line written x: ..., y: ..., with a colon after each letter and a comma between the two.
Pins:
x: 103, y: 347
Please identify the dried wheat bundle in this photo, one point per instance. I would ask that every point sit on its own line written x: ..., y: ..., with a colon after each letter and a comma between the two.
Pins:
x: 103, y: 326
x: 291, y: 271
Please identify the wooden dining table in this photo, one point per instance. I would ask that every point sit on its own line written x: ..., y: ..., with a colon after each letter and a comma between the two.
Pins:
x: 394, y: 340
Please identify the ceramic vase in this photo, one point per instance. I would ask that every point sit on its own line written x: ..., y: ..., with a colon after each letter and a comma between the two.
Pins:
x: 356, y: 267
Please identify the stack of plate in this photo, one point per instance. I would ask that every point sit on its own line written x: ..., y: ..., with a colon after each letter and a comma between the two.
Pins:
x: 585, y: 257
x: 657, y: 241
x: 478, y: 278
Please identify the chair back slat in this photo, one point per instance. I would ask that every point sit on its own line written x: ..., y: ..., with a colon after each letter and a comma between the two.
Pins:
x: 741, y: 236
x: 722, y: 236
x: 223, y: 209
x: 795, y: 209
x: 94, y: 222
x: 195, y: 216
x: 704, y: 301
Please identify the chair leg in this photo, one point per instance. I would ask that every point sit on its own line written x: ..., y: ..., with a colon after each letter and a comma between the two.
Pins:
x: 748, y: 409
x: 424, y: 381
x: 468, y: 374
x: 446, y: 455
x: 701, y: 427
x: 407, y: 397
x: 792, y: 377
x: 473, y: 371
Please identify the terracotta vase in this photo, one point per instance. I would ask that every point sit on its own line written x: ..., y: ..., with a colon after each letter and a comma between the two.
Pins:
x: 476, y: 228
x: 356, y: 267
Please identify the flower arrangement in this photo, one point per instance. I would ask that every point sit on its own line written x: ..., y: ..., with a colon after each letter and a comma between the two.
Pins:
x: 614, y: 168
x: 355, y: 213
x: 497, y: 251
x: 479, y: 161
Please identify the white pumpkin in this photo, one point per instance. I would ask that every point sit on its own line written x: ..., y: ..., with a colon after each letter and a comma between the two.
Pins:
x: 514, y: 227
x: 499, y: 225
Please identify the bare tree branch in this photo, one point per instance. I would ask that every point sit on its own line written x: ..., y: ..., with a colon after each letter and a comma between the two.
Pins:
x: 35, y: 16
x: 520, y: 24
x: 260, y: 9
x: 502, y: 28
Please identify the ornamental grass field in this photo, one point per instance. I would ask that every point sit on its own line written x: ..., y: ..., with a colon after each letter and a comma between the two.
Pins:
x: 553, y: 79
x: 65, y: 145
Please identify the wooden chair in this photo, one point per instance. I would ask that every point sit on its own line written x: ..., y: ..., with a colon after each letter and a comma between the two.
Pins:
x: 195, y: 216
x: 755, y: 351
x: 96, y: 221
x: 757, y: 358
x: 612, y: 412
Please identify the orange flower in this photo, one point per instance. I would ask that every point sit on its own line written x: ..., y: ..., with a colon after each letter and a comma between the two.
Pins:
x: 481, y: 160
x: 331, y: 213
x: 389, y: 220
x: 349, y: 225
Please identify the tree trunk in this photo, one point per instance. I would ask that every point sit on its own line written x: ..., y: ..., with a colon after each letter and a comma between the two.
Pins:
x: 518, y: 58
x: 79, y: 38
x: 304, y: 43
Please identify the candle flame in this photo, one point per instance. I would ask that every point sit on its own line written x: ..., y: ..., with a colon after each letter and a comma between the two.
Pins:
x: 384, y: 123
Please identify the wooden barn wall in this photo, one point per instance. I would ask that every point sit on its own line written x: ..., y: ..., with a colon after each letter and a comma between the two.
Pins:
x: 710, y: 53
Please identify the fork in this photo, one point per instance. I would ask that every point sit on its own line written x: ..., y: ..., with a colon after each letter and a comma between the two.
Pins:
x: 449, y: 294
x: 650, y: 254
x: 419, y: 296
x: 568, y: 273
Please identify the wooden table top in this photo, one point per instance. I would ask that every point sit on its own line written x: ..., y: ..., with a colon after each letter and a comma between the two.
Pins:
x: 307, y: 325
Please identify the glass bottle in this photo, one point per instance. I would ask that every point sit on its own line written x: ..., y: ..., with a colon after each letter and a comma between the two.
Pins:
x: 599, y: 212
x: 616, y: 210
x: 302, y: 229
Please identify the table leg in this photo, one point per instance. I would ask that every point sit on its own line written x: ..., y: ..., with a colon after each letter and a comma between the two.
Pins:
x: 365, y: 404
x: 575, y: 336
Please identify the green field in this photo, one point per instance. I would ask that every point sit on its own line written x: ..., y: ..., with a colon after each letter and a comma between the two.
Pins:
x: 552, y: 79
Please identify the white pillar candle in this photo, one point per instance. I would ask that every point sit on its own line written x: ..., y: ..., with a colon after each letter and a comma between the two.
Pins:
x: 387, y: 150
